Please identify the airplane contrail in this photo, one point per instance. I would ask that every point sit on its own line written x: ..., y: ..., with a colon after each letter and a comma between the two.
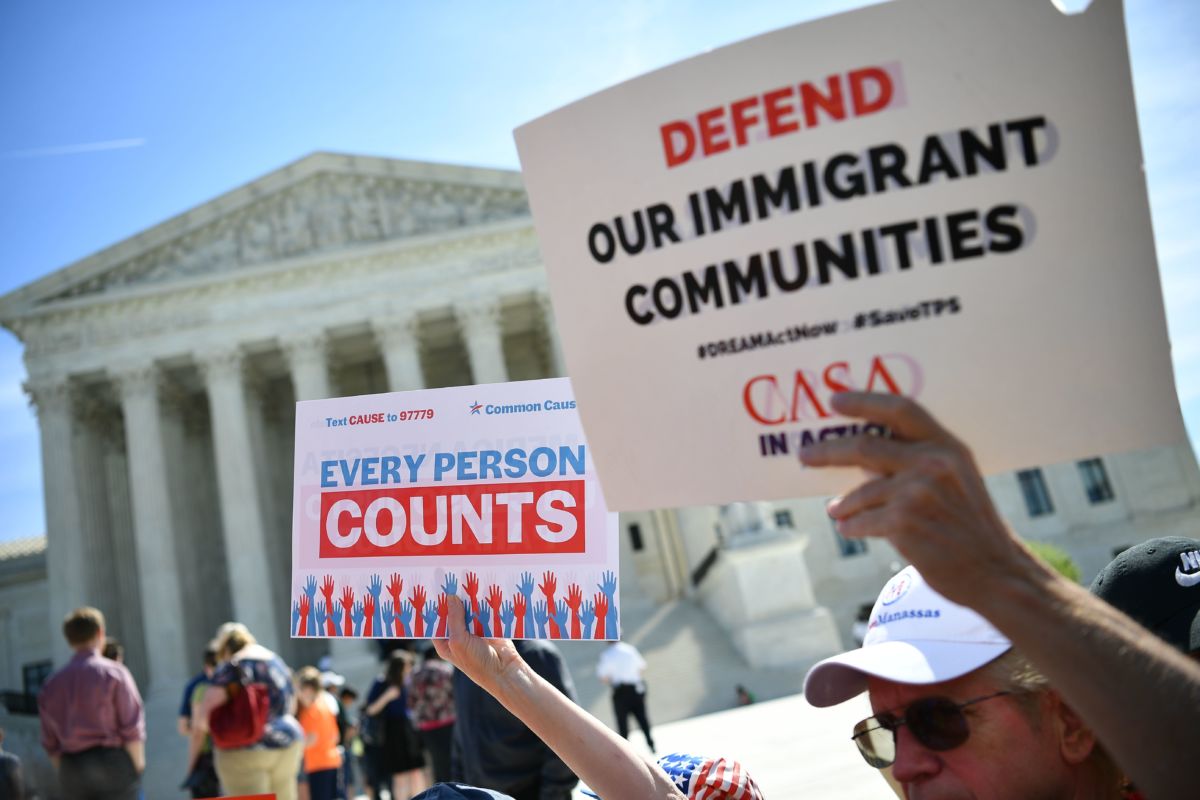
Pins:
x: 73, y: 149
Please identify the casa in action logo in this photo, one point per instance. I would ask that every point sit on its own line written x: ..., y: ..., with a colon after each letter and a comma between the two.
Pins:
x: 475, y: 407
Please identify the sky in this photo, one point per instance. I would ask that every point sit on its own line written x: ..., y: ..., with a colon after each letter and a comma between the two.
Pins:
x: 120, y: 115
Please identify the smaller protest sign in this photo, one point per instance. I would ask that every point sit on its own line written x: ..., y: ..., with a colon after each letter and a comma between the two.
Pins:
x: 487, y: 492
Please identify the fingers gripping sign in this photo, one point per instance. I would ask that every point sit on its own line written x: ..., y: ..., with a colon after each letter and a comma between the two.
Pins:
x: 929, y: 499
x: 485, y: 661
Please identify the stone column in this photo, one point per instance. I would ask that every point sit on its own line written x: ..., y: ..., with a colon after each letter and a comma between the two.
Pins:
x: 399, y: 345
x: 558, y: 364
x: 241, y: 506
x: 480, y: 323
x: 65, y: 563
x: 307, y: 357
x: 153, y: 527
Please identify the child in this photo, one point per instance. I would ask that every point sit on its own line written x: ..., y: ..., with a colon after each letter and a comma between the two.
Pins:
x: 318, y: 717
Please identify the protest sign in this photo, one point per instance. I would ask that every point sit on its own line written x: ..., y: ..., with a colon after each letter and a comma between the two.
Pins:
x: 934, y: 198
x: 488, y: 492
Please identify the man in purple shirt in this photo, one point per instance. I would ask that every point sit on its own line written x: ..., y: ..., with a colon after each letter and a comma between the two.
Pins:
x: 93, y: 726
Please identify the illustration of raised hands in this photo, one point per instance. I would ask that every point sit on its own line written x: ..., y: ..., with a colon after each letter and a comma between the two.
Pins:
x: 372, y: 615
x: 587, y: 615
x: 310, y: 592
x: 357, y: 615
x: 449, y: 587
x: 296, y: 619
x: 405, y: 616
x: 443, y: 606
x: 395, y: 588
x: 418, y: 600
x: 609, y: 587
x: 335, y: 619
x: 574, y: 600
x: 471, y: 584
x: 322, y: 615
x: 485, y: 620
x: 507, y: 615
x: 601, y: 602
x: 430, y: 617
x: 388, y: 612
x: 524, y: 605
x: 375, y: 588
x: 524, y: 615
x: 347, y: 605
x: 539, y: 616
x: 560, y: 619
x: 327, y: 587
x: 305, y: 608
x: 547, y: 587
x: 495, y: 597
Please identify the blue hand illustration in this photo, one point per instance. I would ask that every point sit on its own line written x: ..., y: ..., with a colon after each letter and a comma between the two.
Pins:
x: 389, y: 617
x: 336, y: 616
x: 469, y: 616
x: 525, y: 587
x: 450, y: 587
x: 431, y: 617
x: 405, y: 616
x: 357, y: 616
x: 485, y: 619
x: 322, y: 615
x: 375, y: 587
x: 539, y: 614
x: 507, y: 617
x: 295, y: 619
x: 310, y: 589
x: 561, y: 617
x: 609, y: 587
x: 587, y: 615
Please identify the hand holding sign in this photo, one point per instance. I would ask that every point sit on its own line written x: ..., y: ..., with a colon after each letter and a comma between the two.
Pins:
x: 930, y: 500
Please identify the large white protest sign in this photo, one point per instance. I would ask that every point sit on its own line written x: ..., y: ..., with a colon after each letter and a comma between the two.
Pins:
x: 488, y: 492
x: 936, y: 198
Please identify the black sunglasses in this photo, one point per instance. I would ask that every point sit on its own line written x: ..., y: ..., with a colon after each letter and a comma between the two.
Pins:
x: 938, y: 723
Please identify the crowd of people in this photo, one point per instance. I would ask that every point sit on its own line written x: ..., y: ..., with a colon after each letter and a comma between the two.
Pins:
x: 988, y: 674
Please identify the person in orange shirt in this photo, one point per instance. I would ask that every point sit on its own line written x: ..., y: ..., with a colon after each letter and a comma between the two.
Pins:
x: 318, y: 718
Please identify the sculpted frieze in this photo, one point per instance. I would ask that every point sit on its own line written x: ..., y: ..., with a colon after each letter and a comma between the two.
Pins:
x: 323, y: 212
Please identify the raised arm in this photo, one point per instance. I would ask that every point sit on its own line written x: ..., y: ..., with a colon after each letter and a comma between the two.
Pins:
x: 1137, y: 694
x: 605, y: 761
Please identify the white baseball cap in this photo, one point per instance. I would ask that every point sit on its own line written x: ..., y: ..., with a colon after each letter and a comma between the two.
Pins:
x: 914, y: 636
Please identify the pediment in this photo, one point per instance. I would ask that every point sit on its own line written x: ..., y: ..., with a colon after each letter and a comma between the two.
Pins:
x: 323, y: 202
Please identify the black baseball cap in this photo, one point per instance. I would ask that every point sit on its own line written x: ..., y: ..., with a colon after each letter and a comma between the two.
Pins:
x: 1158, y: 584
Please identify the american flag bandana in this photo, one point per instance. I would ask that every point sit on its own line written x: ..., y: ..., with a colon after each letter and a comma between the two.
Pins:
x: 707, y: 778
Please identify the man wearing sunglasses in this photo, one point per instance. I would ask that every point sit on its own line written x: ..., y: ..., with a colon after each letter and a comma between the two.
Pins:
x: 925, y: 495
x: 957, y: 712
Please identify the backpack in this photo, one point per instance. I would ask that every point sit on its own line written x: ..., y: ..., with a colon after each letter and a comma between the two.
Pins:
x: 241, y: 720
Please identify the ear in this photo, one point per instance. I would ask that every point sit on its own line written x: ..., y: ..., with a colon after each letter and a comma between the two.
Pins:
x: 1076, y: 740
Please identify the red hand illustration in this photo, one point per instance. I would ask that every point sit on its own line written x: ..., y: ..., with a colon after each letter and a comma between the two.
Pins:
x: 347, y: 604
x: 369, y: 611
x: 443, y: 607
x: 395, y: 588
x: 304, y: 607
x: 495, y: 597
x: 327, y: 587
x: 418, y: 600
x: 601, y: 602
x: 519, y: 609
x: 574, y: 601
x: 471, y: 584
x: 549, y: 584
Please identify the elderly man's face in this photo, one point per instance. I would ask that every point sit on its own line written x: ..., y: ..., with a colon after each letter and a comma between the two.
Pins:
x: 1010, y: 752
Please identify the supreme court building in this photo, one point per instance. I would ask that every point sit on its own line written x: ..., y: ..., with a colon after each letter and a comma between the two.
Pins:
x: 164, y: 372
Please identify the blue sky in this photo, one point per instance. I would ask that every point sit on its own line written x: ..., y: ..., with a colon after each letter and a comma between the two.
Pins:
x: 118, y: 116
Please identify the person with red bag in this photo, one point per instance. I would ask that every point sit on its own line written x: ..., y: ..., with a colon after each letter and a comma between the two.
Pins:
x: 248, y: 709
